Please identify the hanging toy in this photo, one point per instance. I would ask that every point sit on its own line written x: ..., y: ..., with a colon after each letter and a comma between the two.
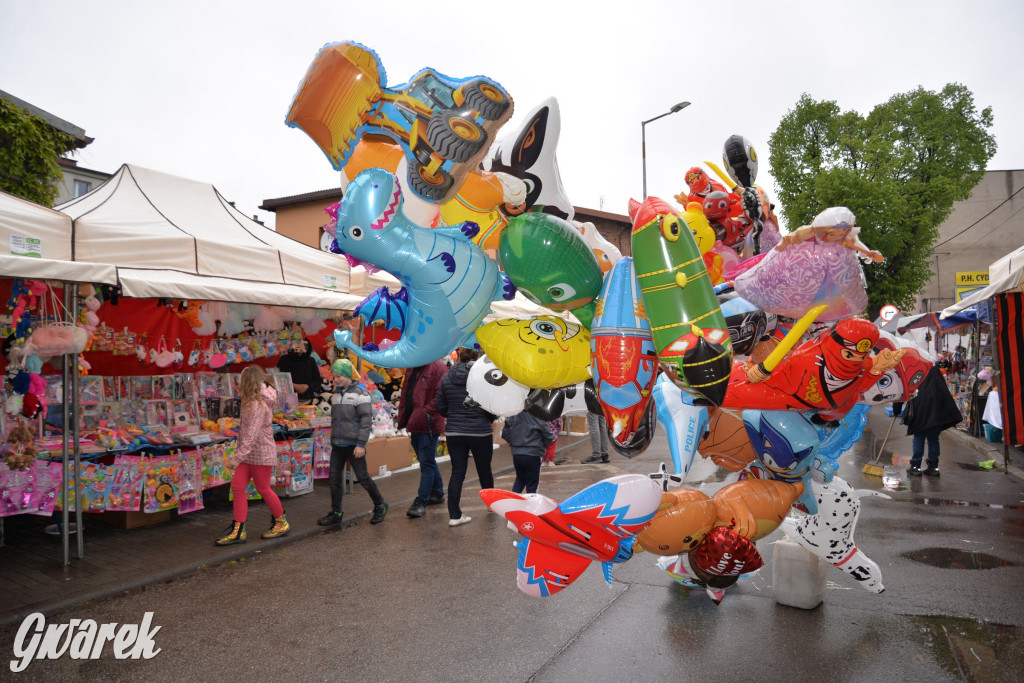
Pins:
x: 179, y: 356
x: 142, y: 350
x: 195, y: 355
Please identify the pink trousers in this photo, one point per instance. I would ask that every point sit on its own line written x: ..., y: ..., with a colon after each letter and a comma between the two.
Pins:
x: 260, y: 475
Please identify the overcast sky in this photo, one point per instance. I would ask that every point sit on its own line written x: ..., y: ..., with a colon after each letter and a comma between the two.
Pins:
x: 200, y: 89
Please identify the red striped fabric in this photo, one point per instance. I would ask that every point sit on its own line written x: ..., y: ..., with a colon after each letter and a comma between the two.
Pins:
x: 1010, y: 347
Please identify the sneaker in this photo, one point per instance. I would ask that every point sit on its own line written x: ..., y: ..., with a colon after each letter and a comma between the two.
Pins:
x: 278, y: 528
x: 593, y: 459
x: 330, y: 518
x: 914, y: 471
x: 435, y: 500
x: 931, y: 471
x: 378, y: 513
x: 236, y: 534
x: 464, y: 519
x: 417, y: 510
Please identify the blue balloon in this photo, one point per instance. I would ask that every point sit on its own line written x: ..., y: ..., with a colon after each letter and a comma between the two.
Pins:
x: 684, y: 422
x: 449, y: 282
x: 786, y: 444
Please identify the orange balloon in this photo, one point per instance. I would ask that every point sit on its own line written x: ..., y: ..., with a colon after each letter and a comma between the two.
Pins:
x: 755, y: 507
x: 683, y: 519
x: 726, y: 443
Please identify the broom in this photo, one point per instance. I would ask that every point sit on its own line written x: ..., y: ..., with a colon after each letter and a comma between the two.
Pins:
x: 873, y: 468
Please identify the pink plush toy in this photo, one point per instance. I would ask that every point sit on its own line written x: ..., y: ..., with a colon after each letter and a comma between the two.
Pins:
x: 56, y: 340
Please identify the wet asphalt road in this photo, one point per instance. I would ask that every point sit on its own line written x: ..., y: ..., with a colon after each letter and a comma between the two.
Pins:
x: 412, y: 599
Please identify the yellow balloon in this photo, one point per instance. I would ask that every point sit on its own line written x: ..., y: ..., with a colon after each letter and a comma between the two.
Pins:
x: 542, y: 352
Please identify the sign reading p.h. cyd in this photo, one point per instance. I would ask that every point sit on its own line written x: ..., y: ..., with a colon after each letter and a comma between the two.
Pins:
x: 974, y: 278
x: 81, y: 639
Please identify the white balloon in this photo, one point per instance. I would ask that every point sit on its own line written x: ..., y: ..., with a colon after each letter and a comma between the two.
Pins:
x: 493, y: 390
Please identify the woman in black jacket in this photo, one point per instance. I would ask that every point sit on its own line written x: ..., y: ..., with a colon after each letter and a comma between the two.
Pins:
x: 467, y: 430
x: 931, y: 410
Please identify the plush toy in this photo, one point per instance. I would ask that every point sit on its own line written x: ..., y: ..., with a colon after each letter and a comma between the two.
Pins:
x: 23, y: 453
x: 382, y: 425
x: 56, y: 340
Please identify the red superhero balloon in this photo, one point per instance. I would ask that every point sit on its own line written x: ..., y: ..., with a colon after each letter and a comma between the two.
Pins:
x: 825, y: 375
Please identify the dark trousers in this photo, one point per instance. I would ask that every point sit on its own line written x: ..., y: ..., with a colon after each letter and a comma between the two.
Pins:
x: 527, y: 472
x: 932, y: 437
x: 459, y: 448
x: 339, y: 456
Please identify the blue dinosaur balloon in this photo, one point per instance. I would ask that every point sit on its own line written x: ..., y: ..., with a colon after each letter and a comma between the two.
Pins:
x: 448, y: 281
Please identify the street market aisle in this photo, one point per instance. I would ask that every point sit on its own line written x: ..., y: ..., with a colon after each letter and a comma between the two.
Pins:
x: 124, y: 561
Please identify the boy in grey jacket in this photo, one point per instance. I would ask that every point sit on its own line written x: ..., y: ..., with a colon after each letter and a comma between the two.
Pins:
x: 529, y: 437
x: 351, y: 420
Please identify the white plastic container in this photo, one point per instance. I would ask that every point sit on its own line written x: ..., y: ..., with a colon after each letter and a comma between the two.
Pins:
x: 798, y: 576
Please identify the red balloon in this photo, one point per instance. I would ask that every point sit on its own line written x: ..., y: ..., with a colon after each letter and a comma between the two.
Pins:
x: 723, y: 556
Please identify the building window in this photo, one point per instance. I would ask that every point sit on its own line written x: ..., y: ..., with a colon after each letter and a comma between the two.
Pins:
x: 81, y: 187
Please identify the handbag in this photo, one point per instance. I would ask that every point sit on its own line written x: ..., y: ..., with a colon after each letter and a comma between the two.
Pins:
x: 214, y: 357
x: 164, y: 356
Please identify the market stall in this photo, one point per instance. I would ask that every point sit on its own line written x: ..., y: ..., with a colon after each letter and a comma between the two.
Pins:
x: 174, y: 241
x: 1006, y: 292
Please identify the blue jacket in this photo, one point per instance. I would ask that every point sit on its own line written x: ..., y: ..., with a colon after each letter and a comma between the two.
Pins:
x: 461, y: 421
x: 527, y: 435
x: 351, y: 416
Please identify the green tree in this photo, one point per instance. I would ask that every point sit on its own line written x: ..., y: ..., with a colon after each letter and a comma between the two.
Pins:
x: 29, y: 149
x: 900, y: 169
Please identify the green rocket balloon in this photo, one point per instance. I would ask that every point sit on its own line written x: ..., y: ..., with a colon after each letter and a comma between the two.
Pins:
x: 551, y: 264
x: 689, y: 330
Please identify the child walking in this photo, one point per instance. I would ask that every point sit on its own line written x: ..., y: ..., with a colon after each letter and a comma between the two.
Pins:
x: 549, y: 453
x: 528, y: 437
x: 256, y: 454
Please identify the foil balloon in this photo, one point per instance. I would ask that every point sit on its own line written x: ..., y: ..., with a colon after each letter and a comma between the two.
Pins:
x: 494, y: 391
x: 542, y: 352
x: 829, y: 533
x: 725, y: 441
x: 623, y: 362
x: 449, y: 282
x: 551, y: 404
x: 443, y: 125
x: 528, y: 153
x: 706, y: 240
x: 684, y: 519
x: 551, y: 264
x: 815, y: 265
x: 690, y: 334
x: 747, y: 323
x: 723, y: 556
x: 825, y: 375
x: 786, y: 444
x: 834, y: 441
x: 754, y: 508
x: 560, y: 540
x: 641, y: 438
x: 684, y: 423
x: 740, y: 160
x: 607, y: 254
x: 899, y: 383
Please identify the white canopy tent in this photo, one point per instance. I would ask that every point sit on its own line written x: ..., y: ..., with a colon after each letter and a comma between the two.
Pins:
x: 39, y: 245
x: 1004, y: 275
x: 171, y: 237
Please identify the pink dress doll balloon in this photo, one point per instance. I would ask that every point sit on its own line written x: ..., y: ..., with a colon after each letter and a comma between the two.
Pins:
x: 815, y: 265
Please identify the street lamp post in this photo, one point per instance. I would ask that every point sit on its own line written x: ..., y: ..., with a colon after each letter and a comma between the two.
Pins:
x: 643, y: 137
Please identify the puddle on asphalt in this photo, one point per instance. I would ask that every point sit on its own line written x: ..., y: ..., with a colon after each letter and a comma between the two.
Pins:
x: 973, y: 649
x: 952, y: 558
x: 944, y: 502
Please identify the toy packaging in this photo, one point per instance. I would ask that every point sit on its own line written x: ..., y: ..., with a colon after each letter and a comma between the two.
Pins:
x: 161, y: 483
x: 190, y: 492
x: 321, y: 453
x: 124, y: 492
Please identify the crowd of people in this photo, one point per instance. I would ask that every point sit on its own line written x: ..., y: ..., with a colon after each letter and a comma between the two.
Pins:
x: 431, y: 402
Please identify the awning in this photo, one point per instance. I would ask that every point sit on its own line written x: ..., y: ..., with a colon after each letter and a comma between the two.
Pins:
x: 152, y: 283
x: 932, y: 321
x: 1004, y: 275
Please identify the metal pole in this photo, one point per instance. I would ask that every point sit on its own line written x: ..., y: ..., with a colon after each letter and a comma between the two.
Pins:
x: 643, y: 152
x: 65, y: 428
x: 72, y: 359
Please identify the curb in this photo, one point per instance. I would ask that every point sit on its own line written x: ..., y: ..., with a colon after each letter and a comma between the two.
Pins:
x: 987, y: 449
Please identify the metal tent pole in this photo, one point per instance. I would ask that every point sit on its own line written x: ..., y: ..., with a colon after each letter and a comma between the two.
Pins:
x: 65, y: 429
x: 72, y: 359
x: 994, y: 341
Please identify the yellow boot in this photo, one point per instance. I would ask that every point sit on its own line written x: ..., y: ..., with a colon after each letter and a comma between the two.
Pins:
x: 236, y: 534
x: 278, y: 528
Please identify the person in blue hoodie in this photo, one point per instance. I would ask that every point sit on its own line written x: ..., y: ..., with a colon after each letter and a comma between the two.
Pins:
x: 351, y: 419
x: 469, y: 429
x: 529, y: 437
